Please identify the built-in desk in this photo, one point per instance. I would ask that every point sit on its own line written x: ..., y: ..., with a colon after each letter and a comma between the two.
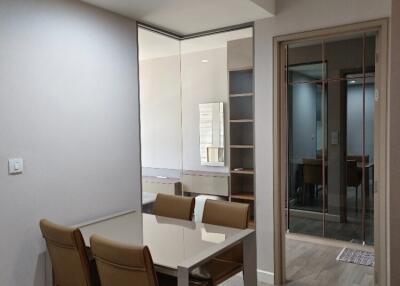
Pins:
x: 148, y: 200
x: 170, y: 186
x: 207, y: 183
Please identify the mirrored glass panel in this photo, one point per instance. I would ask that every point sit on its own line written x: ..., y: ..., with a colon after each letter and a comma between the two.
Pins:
x: 160, y: 115
x: 369, y: 162
x: 344, y: 55
x: 197, y: 117
x: 304, y: 62
x: 218, y: 117
x: 306, y: 141
x: 344, y: 211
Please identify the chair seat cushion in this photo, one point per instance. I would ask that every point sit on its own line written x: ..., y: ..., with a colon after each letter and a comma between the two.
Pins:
x: 215, y: 270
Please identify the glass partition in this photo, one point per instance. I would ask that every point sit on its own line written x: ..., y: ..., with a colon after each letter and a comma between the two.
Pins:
x: 330, y: 95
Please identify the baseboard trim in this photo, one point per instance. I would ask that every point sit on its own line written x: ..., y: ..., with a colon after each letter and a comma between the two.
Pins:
x: 265, y: 276
x: 262, y: 276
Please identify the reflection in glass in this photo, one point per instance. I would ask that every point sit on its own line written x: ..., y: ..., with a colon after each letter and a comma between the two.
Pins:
x: 212, y: 134
x: 160, y: 105
x: 330, y: 96
x: 369, y: 159
x: 343, y: 54
x: 305, y: 156
x: 305, y: 59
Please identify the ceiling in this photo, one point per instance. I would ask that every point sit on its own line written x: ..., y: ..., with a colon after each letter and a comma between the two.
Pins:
x: 154, y: 45
x: 214, y: 41
x: 186, y: 17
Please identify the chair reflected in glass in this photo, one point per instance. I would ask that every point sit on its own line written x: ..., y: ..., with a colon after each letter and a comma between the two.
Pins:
x: 230, y: 262
x: 174, y: 206
x: 312, y: 179
x: 354, y: 175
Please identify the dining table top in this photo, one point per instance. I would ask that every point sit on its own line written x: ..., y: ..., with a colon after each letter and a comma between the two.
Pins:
x: 172, y: 242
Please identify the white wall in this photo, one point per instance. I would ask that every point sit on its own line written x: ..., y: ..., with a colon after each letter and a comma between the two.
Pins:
x: 160, y: 112
x: 201, y: 83
x: 69, y: 107
x: 292, y: 16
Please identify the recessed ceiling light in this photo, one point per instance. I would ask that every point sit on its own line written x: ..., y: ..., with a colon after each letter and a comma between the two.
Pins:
x: 204, y: 61
x: 352, y: 81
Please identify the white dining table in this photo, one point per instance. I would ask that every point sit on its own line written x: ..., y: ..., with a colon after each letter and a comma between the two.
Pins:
x: 177, y: 246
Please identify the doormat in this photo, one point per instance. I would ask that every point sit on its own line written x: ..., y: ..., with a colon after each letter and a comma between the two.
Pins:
x: 359, y: 257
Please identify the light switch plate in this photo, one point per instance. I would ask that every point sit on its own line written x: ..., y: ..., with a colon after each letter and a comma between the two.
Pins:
x: 335, y: 138
x: 15, y: 166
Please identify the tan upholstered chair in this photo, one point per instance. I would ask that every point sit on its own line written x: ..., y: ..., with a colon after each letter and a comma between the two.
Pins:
x: 127, y: 265
x: 123, y: 265
x: 174, y: 206
x: 229, y: 214
x: 66, y: 248
x: 228, y: 264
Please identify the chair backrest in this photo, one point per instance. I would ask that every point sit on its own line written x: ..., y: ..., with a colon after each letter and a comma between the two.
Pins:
x: 353, y: 174
x: 174, y: 206
x: 68, y: 255
x: 122, y: 265
x: 358, y: 158
x: 312, y: 171
x: 229, y: 214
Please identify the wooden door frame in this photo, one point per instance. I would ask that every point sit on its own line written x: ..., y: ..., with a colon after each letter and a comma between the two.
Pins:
x: 381, y: 27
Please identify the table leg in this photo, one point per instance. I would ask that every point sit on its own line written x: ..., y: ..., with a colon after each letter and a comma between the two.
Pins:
x: 183, y: 276
x: 250, y: 260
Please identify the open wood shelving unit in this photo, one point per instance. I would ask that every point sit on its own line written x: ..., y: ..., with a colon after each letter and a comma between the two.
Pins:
x: 241, y: 130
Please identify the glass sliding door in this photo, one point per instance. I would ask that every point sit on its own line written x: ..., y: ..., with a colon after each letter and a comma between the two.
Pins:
x: 330, y: 95
x: 305, y: 97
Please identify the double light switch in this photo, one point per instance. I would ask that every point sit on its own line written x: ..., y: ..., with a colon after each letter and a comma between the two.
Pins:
x: 15, y: 166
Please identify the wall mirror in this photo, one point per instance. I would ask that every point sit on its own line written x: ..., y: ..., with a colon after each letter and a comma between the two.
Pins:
x: 212, y: 134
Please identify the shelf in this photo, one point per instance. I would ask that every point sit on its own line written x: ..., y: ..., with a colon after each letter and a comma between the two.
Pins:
x: 243, y: 196
x: 241, y: 94
x: 242, y: 146
x: 241, y: 121
x: 241, y: 134
x: 245, y: 171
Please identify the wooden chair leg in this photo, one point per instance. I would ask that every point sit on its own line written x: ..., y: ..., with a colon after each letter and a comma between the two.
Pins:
x: 356, y: 199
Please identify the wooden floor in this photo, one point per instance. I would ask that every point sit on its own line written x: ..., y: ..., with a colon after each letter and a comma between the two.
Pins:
x: 238, y: 281
x: 310, y: 264
x: 314, y: 264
